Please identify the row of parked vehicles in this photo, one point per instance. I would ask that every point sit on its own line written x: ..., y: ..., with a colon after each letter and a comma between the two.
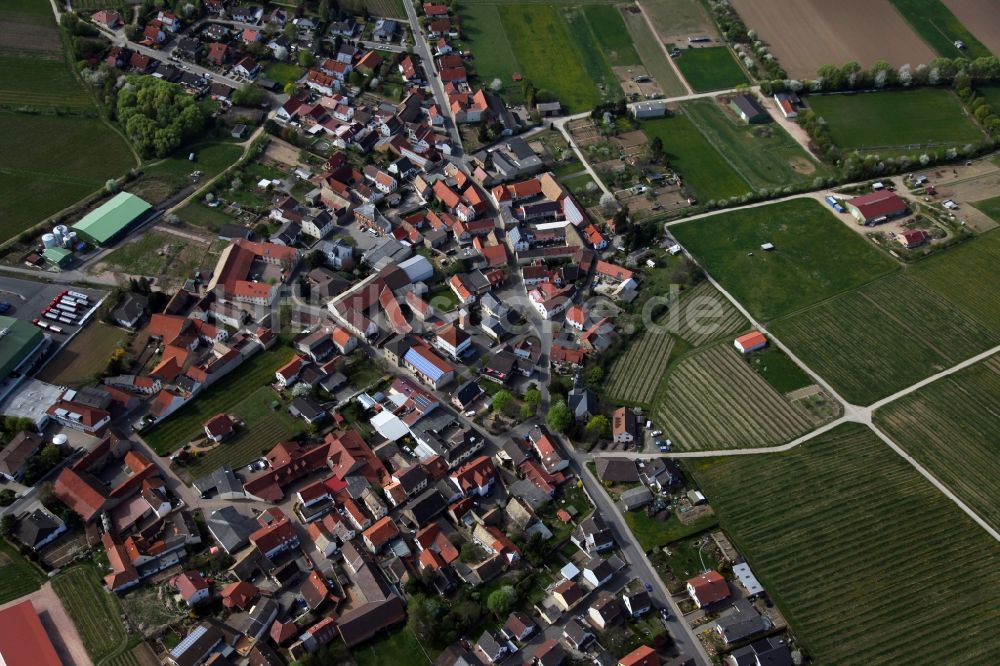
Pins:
x: 69, y: 307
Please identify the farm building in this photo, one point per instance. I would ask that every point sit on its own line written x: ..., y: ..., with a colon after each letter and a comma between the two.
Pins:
x: 654, y: 109
x: 749, y: 109
x: 750, y: 342
x: 912, y: 238
x: 788, y: 104
x: 111, y: 220
x: 20, y: 347
x: 876, y: 207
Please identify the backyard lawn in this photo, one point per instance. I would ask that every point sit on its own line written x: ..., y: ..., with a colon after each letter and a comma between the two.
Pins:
x: 895, y: 119
x: 654, y: 534
x: 400, y: 647
x: 185, y: 424
x: 703, y: 169
x: 710, y: 68
x: 815, y: 256
x: 283, y: 73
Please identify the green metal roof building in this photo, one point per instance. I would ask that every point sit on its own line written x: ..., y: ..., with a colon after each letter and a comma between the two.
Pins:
x: 61, y: 257
x: 108, y: 222
x: 18, y: 341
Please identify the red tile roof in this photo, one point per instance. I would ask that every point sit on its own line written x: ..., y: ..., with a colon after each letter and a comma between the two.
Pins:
x: 709, y: 587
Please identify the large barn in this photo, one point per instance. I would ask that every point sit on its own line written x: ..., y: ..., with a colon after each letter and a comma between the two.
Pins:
x: 877, y: 207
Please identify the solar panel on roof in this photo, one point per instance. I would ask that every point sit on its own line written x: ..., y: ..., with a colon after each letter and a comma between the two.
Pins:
x: 188, y: 641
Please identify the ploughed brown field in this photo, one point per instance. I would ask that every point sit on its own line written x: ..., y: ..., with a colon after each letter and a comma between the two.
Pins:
x: 982, y: 18
x: 806, y: 34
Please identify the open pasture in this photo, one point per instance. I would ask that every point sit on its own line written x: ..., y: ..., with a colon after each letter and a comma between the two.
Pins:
x: 940, y: 28
x: 950, y: 427
x: 895, y: 119
x: 714, y: 400
x: 865, y: 31
x: 565, y: 50
x: 710, y: 68
x: 815, y: 255
x: 865, y: 558
x: 51, y: 162
x: 675, y: 20
x: 706, y: 174
x: 766, y: 156
x: 881, y: 338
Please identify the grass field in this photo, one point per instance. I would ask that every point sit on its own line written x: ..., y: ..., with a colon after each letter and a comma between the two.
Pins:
x: 937, y: 26
x: 283, y: 72
x: 95, y: 612
x: 704, y: 170
x: 991, y: 94
x: 18, y: 576
x: 765, y: 155
x: 608, y: 29
x: 51, y: 162
x: 163, y: 178
x: 714, y: 400
x: 866, y: 559
x: 677, y: 17
x: 40, y: 82
x: 710, y: 68
x: 881, y: 338
x: 200, y: 215
x: 895, y: 119
x: 164, y: 256
x: 400, y: 647
x: 653, y: 534
x: 815, y: 255
x: 185, y: 424
x: 85, y: 357
x: 652, y: 55
x: 989, y: 207
x: 566, y: 51
x: 778, y: 369
x: 950, y: 427
x: 265, y: 427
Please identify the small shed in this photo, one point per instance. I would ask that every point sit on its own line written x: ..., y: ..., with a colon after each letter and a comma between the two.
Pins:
x: 750, y: 342
x: 696, y: 497
x: 58, y: 256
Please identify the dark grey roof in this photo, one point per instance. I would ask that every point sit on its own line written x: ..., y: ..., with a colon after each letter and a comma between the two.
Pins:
x: 749, y: 105
x: 617, y: 470
x: 230, y: 528
x: 426, y: 506
x: 467, y: 392
x: 36, y: 527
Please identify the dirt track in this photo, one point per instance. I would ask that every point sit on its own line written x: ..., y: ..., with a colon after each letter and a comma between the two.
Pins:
x: 981, y: 18
x: 806, y: 34
x: 58, y: 625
